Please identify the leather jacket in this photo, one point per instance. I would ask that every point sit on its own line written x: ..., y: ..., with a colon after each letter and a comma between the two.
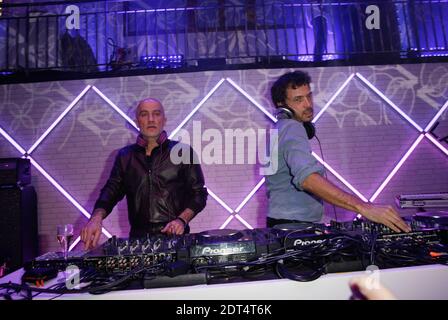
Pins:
x: 156, y: 192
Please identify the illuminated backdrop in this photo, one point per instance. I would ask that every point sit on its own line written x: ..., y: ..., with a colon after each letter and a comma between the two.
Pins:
x: 373, y: 123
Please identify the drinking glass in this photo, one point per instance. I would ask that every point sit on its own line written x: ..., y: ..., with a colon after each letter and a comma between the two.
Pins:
x: 65, y: 235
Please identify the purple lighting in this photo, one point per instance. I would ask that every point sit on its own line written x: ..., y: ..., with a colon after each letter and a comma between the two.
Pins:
x: 64, y: 193
x: 337, y: 175
x: 437, y: 143
x: 12, y: 141
x: 255, y: 189
x: 218, y: 199
x: 398, y: 166
x: 389, y: 102
x: 346, y: 82
x: 436, y: 117
x: 259, y: 106
x: 195, y: 109
x: 121, y: 113
x: 405, y: 116
x: 238, y: 212
x: 59, y: 119
x: 43, y: 172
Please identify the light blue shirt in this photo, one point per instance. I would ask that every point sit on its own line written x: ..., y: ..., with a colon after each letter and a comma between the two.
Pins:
x: 286, y: 198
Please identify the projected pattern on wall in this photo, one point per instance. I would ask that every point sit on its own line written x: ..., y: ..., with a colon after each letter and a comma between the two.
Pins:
x: 235, y: 213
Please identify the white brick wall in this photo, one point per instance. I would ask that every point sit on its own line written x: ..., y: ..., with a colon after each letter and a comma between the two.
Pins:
x: 80, y: 151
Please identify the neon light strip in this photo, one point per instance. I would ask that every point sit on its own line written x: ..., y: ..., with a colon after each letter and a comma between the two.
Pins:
x: 333, y: 98
x: 437, y: 143
x: 196, y: 108
x: 226, y: 222
x: 219, y: 200
x: 248, y: 226
x: 50, y: 179
x: 398, y: 166
x: 74, y: 244
x: 236, y: 215
x: 163, y: 10
x: 259, y: 106
x: 59, y: 119
x: 12, y: 141
x: 428, y: 127
x: 64, y: 193
x: 337, y: 175
x: 115, y: 107
x: 374, y: 89
x: 214, y: 196
x: 249, y: 196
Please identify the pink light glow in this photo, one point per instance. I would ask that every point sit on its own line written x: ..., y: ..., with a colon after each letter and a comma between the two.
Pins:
x: 121, y: 113
x: 398, y: 166
x: 389, y: 102
x: 12, y: 141
x: 346, y: 82
x: 226, y: 222
x: 59, y: 119
x: 188, y: 117
x: 337, y: 175
x: 437, y: 143
x: 259, y: 106
x: 436, y: 117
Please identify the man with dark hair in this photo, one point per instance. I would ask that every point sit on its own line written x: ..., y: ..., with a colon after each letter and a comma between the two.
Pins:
x: 296, y: 190
x: 162, y: 196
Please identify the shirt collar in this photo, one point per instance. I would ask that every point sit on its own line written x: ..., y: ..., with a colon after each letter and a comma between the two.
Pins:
x: 142, y: 142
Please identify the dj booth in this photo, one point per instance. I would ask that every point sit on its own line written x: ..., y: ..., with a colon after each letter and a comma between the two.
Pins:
x: 408, y: 283
x: 293, y: 261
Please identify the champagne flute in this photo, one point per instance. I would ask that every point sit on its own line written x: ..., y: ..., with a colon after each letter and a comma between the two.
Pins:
x: 65, y: 235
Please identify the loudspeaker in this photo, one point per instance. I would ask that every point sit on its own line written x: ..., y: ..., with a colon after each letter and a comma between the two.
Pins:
x: 18, y: 226
x: 15, y: 172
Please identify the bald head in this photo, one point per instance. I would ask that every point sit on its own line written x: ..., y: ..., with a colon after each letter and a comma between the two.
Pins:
x: 151, y: 101
x: 150, y: 117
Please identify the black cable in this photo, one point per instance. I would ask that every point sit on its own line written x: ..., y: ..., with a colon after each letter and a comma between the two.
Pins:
x: 372, y: 247
x: 325, y: 174
x: 307, y: 255
x: 89, y: 289
x: 283, y: 272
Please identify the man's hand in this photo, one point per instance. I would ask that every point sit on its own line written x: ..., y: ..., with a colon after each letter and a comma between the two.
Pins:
x: 385, y: 215
x: 174, y: 227
x: 91, y: 233
x: 364, y: 289
x: 326, y: 190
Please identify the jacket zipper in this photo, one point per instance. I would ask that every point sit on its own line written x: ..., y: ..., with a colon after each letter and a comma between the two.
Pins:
x: 150, y: 191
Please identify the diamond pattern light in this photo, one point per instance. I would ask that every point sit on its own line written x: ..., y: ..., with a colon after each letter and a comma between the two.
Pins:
x: 424, y: 133
x: 234, y: 213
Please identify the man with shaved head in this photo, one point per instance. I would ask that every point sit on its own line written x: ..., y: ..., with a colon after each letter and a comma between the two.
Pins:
x: 162, y: 196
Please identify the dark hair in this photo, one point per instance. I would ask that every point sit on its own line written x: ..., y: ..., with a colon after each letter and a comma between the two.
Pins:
x: 293, y: 79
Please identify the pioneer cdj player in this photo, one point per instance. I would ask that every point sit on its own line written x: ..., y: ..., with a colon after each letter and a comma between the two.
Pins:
x: 300, y: 252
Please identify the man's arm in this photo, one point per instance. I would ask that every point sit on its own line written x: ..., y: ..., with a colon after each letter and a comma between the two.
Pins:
x: 110, y: 194
x: 91, y: 233
x: 177, y: 226
x: 324, y: 189
x: 113, y: 191
x: 195, y: 184
x: 197, y: 197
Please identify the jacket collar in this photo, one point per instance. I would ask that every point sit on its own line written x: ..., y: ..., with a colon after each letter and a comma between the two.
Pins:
x: 142, y: 142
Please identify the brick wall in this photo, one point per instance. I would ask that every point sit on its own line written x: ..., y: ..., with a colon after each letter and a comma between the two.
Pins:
x: 361, y: 136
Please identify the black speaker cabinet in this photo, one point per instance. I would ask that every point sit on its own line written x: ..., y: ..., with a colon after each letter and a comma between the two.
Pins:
x: 18, y: 226
x: 15, y: 171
